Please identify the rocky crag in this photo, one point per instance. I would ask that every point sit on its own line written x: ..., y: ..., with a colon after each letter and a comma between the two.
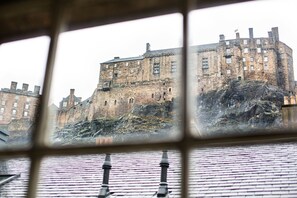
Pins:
x: 239, y: 107
x: 143, y: 122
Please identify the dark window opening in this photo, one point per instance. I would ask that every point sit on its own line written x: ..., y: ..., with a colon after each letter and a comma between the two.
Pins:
x: 115, y: 102
x: 105, y: 103
x: 153, y: 95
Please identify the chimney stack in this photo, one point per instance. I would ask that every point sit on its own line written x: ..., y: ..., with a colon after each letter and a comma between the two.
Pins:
x: 222, y: 37
x: 72, y: 92
x: 251, y: 33
x: 237, y: 35
x: 13, y: 85
x: 36, y: 89
x: 25, y: 87
x: 148, y: 47
x: 275, y: 33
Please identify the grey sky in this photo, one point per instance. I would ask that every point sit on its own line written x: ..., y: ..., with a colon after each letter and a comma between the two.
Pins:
x: 81, y: 52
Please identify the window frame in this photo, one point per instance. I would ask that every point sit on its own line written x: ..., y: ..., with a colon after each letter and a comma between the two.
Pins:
x: 184, y: 144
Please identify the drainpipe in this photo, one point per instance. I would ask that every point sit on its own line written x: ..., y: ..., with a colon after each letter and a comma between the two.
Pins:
x: 104, y: 191
x: 163, y: 187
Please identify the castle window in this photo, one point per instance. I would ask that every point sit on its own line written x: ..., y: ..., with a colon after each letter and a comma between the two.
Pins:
x: 28, y: 100
x: 64, y: 104
x: 115, y: 65
x: 244, y: 68
x: 106, y: 66
x: 75, y: 103
x: 153, y: 95
x: 105, y: 103
x: 245, y: 42
x: 26, y: 106
x: 228, y: 60
x: 169, y: 90
x: 205, y: 63
x: 259, y: 50
x: 26, y: 113
x: 173, y: 66
x: 156, y: 68
x: 115, y: 75
x: 265, y: 59
x: 246, y: 50
x: 14, y: 112
x: 228, y: 71
x: 239, y: 77
x: 265, y: 66
x: 258, y: 41
x: 138, y: 62
x: 243, y: 59
x: 3, y: 102
x: 252, y: 59
x: 252, y: 67
x: 1, y: 117
x: 115, y: 102
x: 265, y: 51
x: 227, y: 42
x: 2, y: 110
x: 127, y: 64
x: 15, y: 104
x: 228, y: 51
x: 131, y: 100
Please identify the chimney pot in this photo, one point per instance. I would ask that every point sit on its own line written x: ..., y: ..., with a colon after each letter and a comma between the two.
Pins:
x: 251, y: 33
x: 148, y: 47
x: 13, y: 85
x: 25, y: 87
x: 222, y: 37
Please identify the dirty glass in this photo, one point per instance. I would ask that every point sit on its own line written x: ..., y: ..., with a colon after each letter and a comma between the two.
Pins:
x: 135, y: 174
x: 14, y: 177
x: 117, y: 83
x: 242, y: 72
x: 21, y: 79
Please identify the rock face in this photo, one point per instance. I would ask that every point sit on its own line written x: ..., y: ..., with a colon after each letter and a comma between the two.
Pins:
x: 144, y: 121
x: 239, y: 107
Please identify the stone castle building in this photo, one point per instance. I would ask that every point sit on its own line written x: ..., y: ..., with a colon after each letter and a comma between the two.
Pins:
x: 151, y: 77
x: 17, y: 104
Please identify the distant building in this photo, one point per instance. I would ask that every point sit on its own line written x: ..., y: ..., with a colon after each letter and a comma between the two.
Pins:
x: 152, y: 77
x: 70, y: 101
x: 18, y: 103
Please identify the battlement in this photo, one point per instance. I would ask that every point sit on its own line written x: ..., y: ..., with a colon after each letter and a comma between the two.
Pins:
x: 24, y: 91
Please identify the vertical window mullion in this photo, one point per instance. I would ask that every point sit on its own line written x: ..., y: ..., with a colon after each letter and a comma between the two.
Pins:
x: 184, y: 98
x: 39, y: 136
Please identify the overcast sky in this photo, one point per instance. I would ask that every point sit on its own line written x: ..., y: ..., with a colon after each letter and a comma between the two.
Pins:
x: 81, y: 52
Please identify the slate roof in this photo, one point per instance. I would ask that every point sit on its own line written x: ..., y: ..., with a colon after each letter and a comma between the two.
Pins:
x: 164, y: 52
x: 116, y: 60
x: 239, y: 171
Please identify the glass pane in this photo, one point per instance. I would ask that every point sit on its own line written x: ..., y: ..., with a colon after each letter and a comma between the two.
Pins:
x: 111, y: 85
x: 14, y: 177
x: 242, y: 70
x: 128, y: 175
x: 21, y: 78
x: 244, y: 171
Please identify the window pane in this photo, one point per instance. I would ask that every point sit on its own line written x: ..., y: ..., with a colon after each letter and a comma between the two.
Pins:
x: 128, y: 97
x: 130, y: 175
x: 243, y: 171
x: 250, y: 80
x: 14, y: 177
x: 21, y: 78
